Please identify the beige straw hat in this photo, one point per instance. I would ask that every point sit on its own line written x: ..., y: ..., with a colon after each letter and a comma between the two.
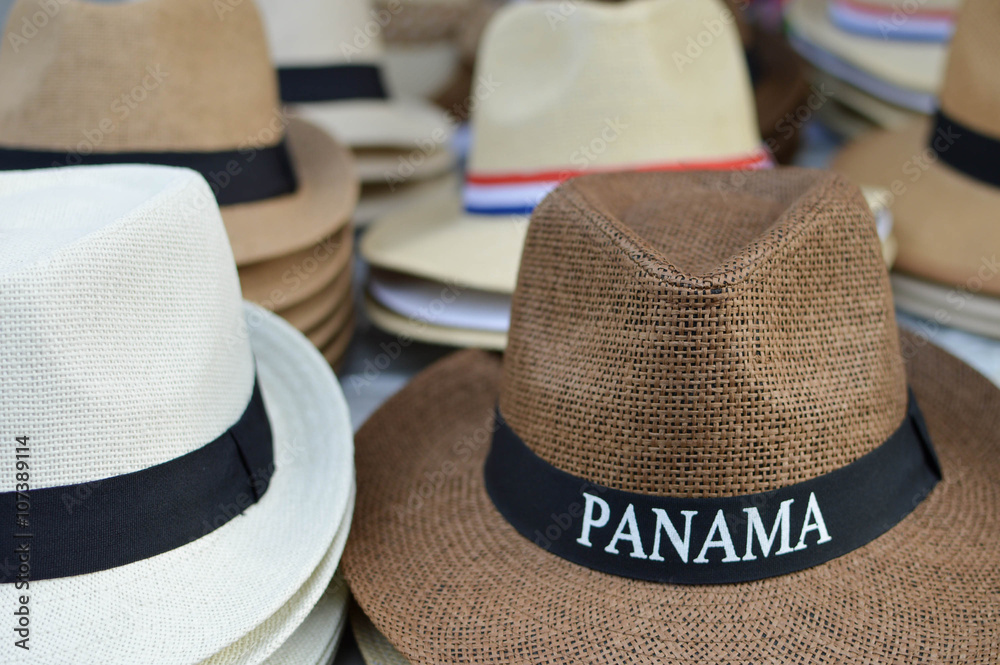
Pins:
x: 946, y: 192
x: 330, y: 59
x: 185, y: 85
x: 603, y: 91
x: 699, y: 447
x: 177, y: 439
x: 309, y: 313
x: 906, y: 73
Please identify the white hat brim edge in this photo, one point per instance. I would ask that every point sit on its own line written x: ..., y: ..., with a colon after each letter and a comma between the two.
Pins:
x: 253, y: 564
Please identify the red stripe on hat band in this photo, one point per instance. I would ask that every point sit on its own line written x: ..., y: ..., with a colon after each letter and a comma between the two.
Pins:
x: 760, y: 159
x: 942, y: 14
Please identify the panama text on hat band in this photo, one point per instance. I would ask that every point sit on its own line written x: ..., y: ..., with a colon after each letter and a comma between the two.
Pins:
x: 519, y: 193
x: 237, y: 176
x: 964, y: 149
x: 120, y: 520
x: 712, y: 540
x: 331, y: 83
x: 890, y: 22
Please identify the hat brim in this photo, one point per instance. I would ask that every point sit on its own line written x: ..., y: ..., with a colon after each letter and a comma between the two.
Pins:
x: 447, y: 580
x: 334, y: 351
x: 287, y: 281
x: 380, y: 201
x: 332, y: 325
x: 315, y: 641
x: 380, y: 123
x: 322, y: 203
x: 374, y: 648
x: 439, y: 241
x: 378, y: 166
x: 914, y: 67
x: 430, y: 333
x: 288, y: 625
x: 309, y: 313
x: 927, y: 196
x: 945, y: 305
x: 218, y: 588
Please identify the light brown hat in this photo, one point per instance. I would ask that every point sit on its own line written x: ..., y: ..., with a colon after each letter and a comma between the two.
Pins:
x: 733, y: 362
x: 946, y: 186
x: 180, y: 82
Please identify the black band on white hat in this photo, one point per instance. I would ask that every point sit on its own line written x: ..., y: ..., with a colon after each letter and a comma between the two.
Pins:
x: 237, y: 176
x: 102, y: 524
x: 723, y: 540
x: 332, y: 83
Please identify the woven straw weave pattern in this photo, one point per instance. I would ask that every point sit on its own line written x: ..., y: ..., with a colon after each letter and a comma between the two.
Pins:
x: 123, y: 342
x: 180, y: 76
x: 656, y: 350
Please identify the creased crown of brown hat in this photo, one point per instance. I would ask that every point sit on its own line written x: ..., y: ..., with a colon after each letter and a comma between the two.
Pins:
x: 170, y: 78
x: 762, y: 353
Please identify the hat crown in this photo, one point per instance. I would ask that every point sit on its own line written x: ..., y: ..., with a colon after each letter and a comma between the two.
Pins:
x: 321, y: 32
x: 691, y: 335
x: 124, y: 343
x: 609, y: 85
x: 183, y: 75
x: 970, y: 93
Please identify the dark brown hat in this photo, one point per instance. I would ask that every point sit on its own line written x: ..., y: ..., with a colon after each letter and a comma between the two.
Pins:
x: 712, y: 447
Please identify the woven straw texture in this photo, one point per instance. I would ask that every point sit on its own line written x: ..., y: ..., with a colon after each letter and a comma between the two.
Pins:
x: 374, y: 648
x: 183, y: 76
x: 125, y: 344
x: 317, y: 638
x: 945, y: 220
x: 698, y: 283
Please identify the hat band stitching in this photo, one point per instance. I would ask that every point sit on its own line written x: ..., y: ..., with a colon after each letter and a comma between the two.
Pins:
x: 331, y: 83
x: 724, y: 540
x: 973, y: 153
x: 520, y: 193
x: 244, y: 175
x: 102, y: 524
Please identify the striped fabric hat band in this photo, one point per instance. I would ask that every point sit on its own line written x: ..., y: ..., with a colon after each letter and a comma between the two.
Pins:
x: 891, y: 22
x: 519, y: 193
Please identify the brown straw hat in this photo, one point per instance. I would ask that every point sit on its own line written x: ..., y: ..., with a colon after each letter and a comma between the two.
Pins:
x: 705, y: 354
x: 946, y: 185
x: 178, y: 82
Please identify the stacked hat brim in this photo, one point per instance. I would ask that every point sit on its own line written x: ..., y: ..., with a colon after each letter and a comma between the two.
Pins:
x: 934, y: 268
x: 550, y: 605
x: 903, y: 73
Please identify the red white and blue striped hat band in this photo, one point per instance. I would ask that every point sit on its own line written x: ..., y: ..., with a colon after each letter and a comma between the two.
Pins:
x: 903, y: 22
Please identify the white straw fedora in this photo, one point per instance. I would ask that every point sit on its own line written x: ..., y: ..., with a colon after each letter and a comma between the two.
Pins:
x: 600, y: 91
x: 177, y: 439
x: 316, y: 640
x: 905, y: 73
x: 330, y: 65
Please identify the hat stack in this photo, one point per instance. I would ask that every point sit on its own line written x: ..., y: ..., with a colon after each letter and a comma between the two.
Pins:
x: 330, y: 58
x: 172, y: 439
x: 945, y: 185
x: 707, y: 442
x: 613, y: 90
x: 190, y: 83
x: 880, y: 61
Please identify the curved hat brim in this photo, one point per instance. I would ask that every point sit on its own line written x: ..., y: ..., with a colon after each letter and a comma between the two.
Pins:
x: 379, y: 166
x: 374, y: 648
x: 378, y: 201
x: 430, y: 333
x: 447, y: 580
x: 309, y: 313
x: 322, y: 203
x: 315, y: 641
x: 380, y: 123
x: 944, y: 221
x: 220, y: 587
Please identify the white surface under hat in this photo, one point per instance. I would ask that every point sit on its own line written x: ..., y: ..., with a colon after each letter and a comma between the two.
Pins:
x: 126, y: 345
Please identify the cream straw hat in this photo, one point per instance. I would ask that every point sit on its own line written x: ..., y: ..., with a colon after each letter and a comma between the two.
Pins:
x: 330, y: 63
x: 188, y: 83
x: 602, y: 91
x: 130, y: 364
x: 904, y: 73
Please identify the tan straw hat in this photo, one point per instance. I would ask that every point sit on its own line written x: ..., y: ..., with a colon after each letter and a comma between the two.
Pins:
x: 330, y: 58
x: 905, y: 73
x: 707, y: 442
x: 186, y: 84
x: 601, y: 90
x: 946, y: 191
x: 175, y: 439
